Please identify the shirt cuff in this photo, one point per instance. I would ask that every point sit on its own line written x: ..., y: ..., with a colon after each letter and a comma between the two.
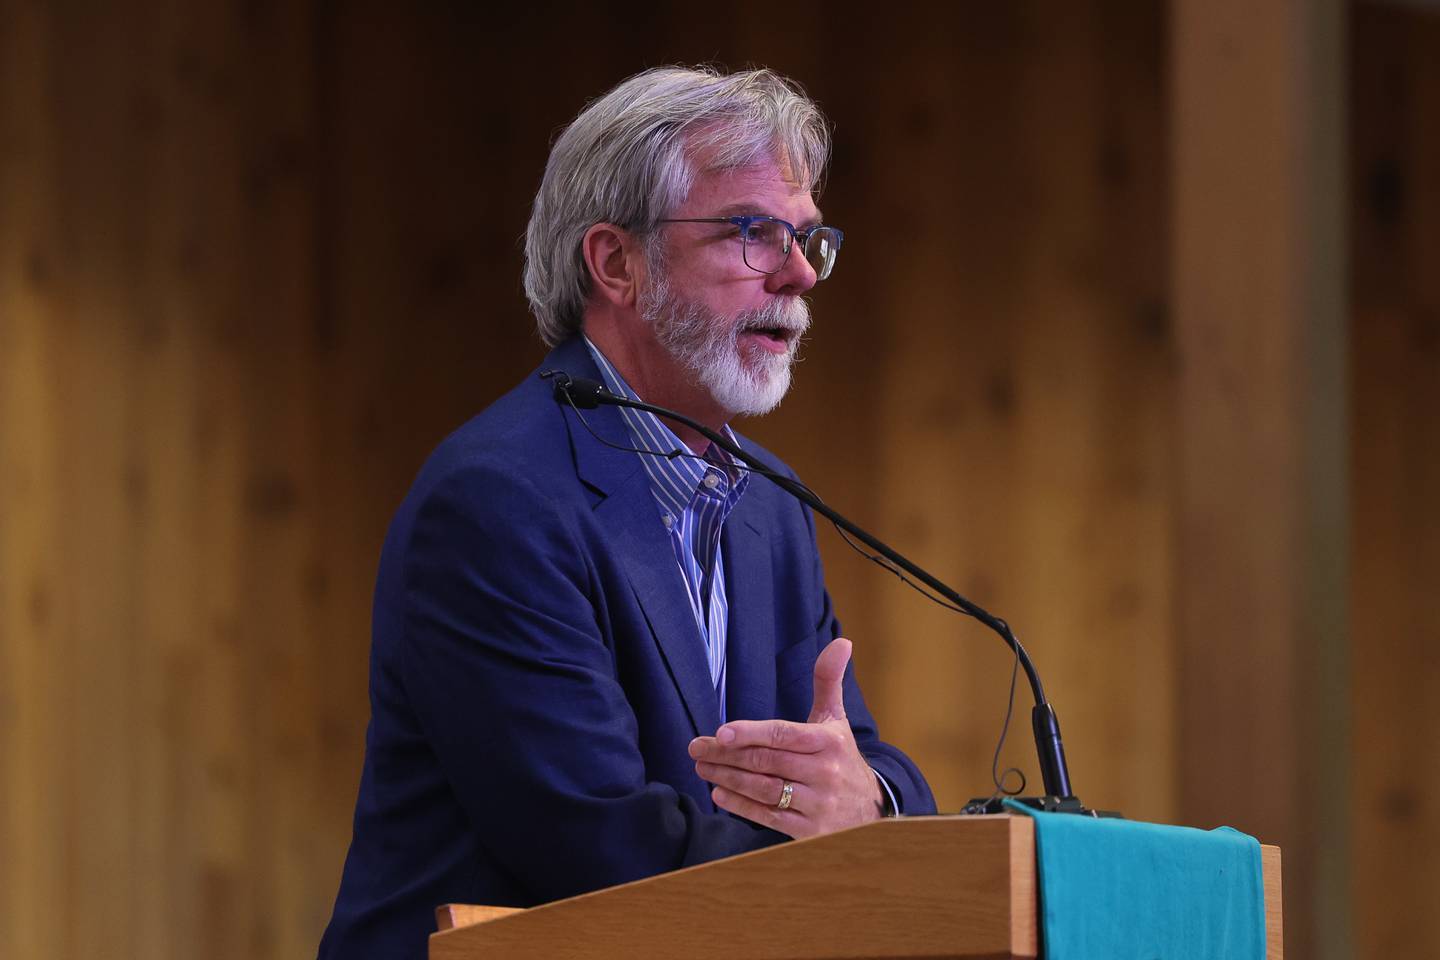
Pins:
x: 892, y: 806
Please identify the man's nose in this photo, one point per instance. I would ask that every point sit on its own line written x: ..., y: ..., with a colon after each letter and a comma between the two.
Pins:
x: 795, y: 276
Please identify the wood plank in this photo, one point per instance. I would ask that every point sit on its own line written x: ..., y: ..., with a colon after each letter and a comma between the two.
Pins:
x: 453, y: 915
x: 33, y: 825
x: 1270, y: 863
x: 1395, y: 460
x: 896, y: 888
x: 1024, y: 889
x: 1262, y: 498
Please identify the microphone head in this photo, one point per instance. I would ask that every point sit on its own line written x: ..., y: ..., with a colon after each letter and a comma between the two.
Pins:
x: 580, y: 392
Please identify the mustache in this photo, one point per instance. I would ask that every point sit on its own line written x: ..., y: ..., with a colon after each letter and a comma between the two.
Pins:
x: 791, y: 314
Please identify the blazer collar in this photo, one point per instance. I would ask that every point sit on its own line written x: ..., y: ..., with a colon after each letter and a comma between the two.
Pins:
x: 594, y: 434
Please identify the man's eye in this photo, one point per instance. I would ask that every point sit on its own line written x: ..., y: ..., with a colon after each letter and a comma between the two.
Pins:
x: 762, y: 231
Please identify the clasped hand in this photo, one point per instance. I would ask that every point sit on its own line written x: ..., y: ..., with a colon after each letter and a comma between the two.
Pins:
x: 750, y: 761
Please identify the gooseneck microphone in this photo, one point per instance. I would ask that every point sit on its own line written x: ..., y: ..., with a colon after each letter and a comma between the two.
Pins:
x: 586, y: 394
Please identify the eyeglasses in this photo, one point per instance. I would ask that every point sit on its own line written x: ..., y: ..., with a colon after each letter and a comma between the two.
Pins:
x: 767, y: 242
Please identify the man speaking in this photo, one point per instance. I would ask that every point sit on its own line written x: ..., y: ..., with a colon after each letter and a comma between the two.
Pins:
x: 602, y: 650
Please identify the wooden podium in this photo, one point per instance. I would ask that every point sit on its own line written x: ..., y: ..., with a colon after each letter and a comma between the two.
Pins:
x: 948, y: 886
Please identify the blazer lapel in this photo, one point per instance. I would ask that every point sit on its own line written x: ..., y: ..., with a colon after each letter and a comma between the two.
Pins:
x: 750, y: 644
x: 627, y: 510
x: 632, y: 520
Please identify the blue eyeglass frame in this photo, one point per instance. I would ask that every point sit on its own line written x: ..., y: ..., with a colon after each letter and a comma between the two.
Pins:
x: 793, y: 235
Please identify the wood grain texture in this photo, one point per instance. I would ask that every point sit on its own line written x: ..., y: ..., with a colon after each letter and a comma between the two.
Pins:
x: 1271, y: 861
x: 1262, y: 498
x: 929, y: 887
x: 256, y: 259
x: 453, y: 915
x: 1395, y: 459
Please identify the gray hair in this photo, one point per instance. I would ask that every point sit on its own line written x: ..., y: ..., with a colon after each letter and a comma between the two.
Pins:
x: 629, y: 159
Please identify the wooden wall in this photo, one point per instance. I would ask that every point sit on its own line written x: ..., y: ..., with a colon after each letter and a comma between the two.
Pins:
x: 257, y: 258
x: 1395, y: 463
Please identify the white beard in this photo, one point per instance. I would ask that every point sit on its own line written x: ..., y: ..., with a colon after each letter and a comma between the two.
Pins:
x: 708, y: 345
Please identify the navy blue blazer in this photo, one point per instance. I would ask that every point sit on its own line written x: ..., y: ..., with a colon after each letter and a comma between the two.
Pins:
x: 536, y: 675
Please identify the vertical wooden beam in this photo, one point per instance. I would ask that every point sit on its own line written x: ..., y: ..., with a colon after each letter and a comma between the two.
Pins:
x: 32, y: 614
x: 1260, y: 308
x: 1395, y: 453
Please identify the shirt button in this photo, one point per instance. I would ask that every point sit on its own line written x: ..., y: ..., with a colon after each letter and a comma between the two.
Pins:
x: 669, y: 521
x: 711, y: 479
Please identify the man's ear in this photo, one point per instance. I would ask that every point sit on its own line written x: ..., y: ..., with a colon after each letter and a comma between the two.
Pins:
x: 615, y: 261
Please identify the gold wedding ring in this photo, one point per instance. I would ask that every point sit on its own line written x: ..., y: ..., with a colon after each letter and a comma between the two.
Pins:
x: 787, y: 793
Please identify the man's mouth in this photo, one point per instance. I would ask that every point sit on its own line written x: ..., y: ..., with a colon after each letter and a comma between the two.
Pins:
x: 774, y: 339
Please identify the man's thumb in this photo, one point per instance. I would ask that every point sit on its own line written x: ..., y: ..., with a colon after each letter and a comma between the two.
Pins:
x: 829, y: 701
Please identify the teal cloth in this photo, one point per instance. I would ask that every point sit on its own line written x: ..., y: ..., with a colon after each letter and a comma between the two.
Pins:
x: 1141, y: 891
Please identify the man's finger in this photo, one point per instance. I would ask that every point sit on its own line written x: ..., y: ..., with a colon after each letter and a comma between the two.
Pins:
x: 776, y: 734
x: 804, y: 767
x: 788, y: 822
x: 762, y: 788
x: 829, y: 703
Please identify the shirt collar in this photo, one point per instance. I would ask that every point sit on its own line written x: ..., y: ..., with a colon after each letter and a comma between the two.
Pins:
x: 676, y: 480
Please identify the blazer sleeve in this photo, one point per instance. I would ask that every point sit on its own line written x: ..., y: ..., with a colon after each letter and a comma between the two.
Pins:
x: 509, y: 674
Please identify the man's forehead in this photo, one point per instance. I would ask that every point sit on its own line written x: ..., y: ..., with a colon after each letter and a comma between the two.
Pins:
x: 766, y: 174
x: 757, y: 188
